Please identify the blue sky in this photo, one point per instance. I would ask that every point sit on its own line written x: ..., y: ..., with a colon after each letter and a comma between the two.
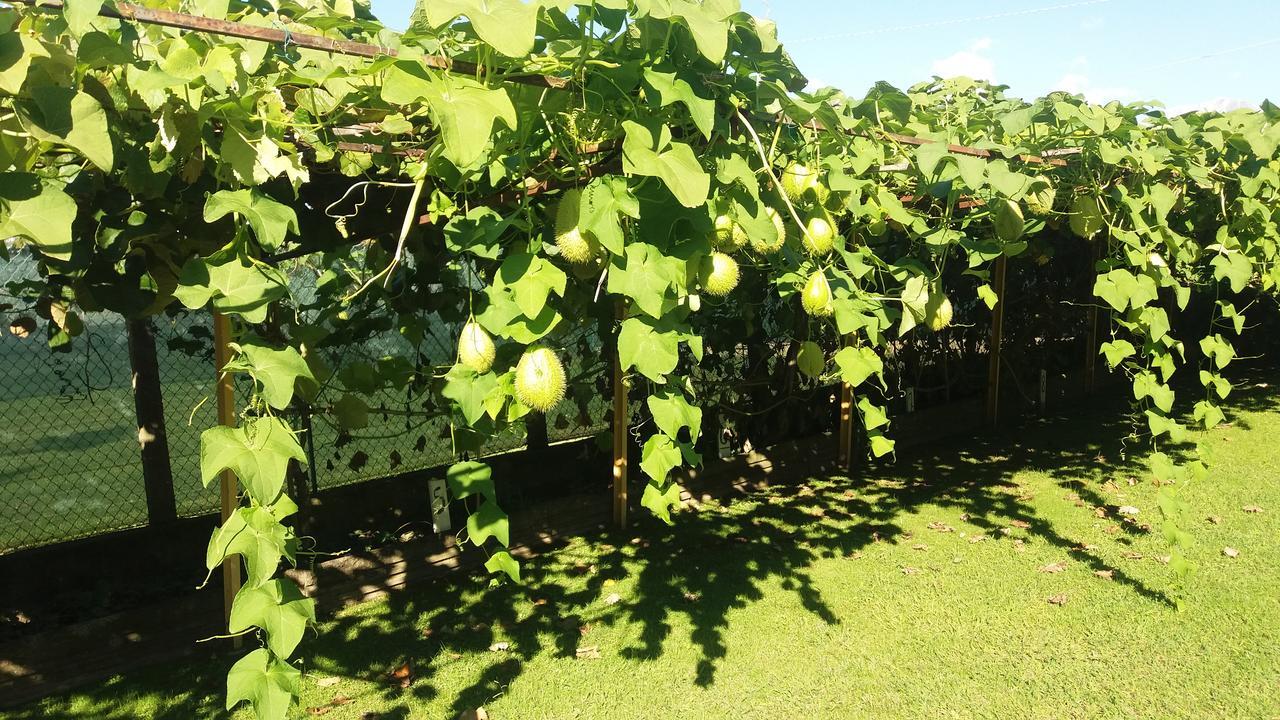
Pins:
x: 1185, y: 53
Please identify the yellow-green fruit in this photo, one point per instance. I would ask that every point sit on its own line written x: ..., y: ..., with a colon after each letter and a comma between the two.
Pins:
x: 796, y: 180
x: 539, y: 379
x: 719, y: 275
x: 817, y: 299
x: 941, y: 315
x: 780, y: 228
x: 475, y: 348
x: 820, y: 236
x: 1040, y: 202
x: 575, y: 246
x: 729, y: 235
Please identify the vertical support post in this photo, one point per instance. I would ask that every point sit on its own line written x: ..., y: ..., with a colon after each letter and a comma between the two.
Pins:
x: 225, y: 394
x: 844, y: 454
x: 1091, y: 332
x: 997, y: 334
x: 620, y: 430
x: 148, y: 405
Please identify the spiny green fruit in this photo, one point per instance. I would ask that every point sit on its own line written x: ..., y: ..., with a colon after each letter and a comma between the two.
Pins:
x: 820, y: 236
x: 1040, y: 202
x: 795, y: 180
x: 475, y: 348
x: 575, y: 246
x: 719, y: 274
x: 1086, y: 217
x: 779, y: 226
x: 540, y: 379
x: 941, y: 314
x: 817, y: 300
x: 729, y: 235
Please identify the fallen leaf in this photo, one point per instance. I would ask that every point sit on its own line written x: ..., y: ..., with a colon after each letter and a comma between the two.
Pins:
x: 1019, y: 546
x: 1104, y: 574
x: 1214, y: 519
x: 1128, y: 510
x: 340, y: 700
x: 500, y: 647
x: 1086, y: 547
x: 1131, y: 555
x: 402, y: 675
x: 539, y: 602
x: 370, y: 715
x: 941, y: 527
x: 1164, y: 559
x: 977, y: 538
x: 1020, y: 524
x: 328, y: 681
x: 1252, y: 509
x: 1054, y: 567
x: 477, y: 714
x: 318, y: 710
x: 613, y: 599
x: 1059, y: 599
x: 691, y: 596
x: 920, y: 546
x: 1111, y: 529
x: 1230, y: 552
x: 855, y: 555
x: 1100, y: 512
x: 587, y: 653
x: 908, y: 570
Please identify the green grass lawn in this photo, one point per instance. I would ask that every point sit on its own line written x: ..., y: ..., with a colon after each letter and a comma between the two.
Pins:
x: 916, y: 590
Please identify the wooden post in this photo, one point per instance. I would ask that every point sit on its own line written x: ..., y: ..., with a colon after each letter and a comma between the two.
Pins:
x: 225, y: 393
x: 621, y: 431
x: 1091, y: 331
x: 997, y: 333
x: 148, y: 406
x: 844, y: 455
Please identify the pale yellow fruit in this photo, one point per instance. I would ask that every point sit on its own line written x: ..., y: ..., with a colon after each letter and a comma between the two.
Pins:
x: 817, y: 299
x: 720, y: 274
x: 796, y: 180
x: 540, y: 379
x: 820, y: 236
x: 575, y: 246
x: 475, y: 348
x: 729, y: 235
x: 941, y: 315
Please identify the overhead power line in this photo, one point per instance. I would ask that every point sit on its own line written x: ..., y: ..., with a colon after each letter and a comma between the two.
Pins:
x: 954, y: 21
x: 1213, y: 54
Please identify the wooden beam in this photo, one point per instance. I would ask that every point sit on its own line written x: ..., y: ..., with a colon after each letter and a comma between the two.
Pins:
x: 621, y: 429
x: 844, y: 452
x: 225, y: 393
x: 148, y: 406
x: 997, y: 334
x: 245, y: 31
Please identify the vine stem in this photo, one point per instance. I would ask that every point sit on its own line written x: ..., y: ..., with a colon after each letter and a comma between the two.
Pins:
x: 409, y: 217
x: 769, y: 169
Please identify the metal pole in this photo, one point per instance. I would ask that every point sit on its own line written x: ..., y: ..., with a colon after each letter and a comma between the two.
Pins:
x: 148, y: 405
x: 230, y: 495
x: 845, y: 453
x: 997, y: 333
x: 620, y: 431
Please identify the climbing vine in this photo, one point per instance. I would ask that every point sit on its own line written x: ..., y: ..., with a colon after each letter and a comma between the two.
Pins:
x: 518, y: 170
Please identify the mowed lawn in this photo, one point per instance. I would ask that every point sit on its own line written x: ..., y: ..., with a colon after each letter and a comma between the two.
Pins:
x: 970, y: 579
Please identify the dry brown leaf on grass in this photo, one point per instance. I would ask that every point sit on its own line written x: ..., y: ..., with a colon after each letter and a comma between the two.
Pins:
x: 977, y: 538
x: 477, y: 714
x: 1251, y: 509
x: 1230, y: 552
x: 1105, y: 574
x: 328, y: 681
x: 1054, y: 567
x: 941, y: 527
x: 908, y: 570
x: 1131, y: 555
x: 613, y: 599
x: 1100, y: 512
x: 1214, y: 519
x: 1128, y: 510
x: 1020, y: 524
x: 318, y: 710
x: 590, y: 652
x: 500, y: 647
x: 920, y: 546
x: 402, y: 675
x: 1059, y: 599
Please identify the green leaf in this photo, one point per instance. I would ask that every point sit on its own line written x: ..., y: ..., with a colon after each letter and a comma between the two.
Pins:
x: 258, y: 452
x: 707, y: 21
x: 880, y: 445
x: 603, y: 203
x: 271, y: 221
x: 74, y: 118
x: 502, y: 561
x: 1234, y: 267
x: 489, y: 521
x: 530, y: 279
x: 928, y: 156
x: 672, y: 88
x: 873, y: 416
x: 277, y: 607
x: 810, y: 359
x: 659, y: 457
x: 988, y: 295
x: 257, y: 536
x: 1116, y: 351
x: 857, y: 364
x: 659, y: 501
x: 1208, y: 414
x: 268, y: 684
x: 1121, y: 289
x: 1218, y: 349
x: 646, y: 276
x: 42, y: 212
x: 470, y: 478
x: 671, y: 412
x: 234, y: 287
x: 352, y: 412
x: 80, y: 15
x: 278, y: 371
x: 463, y: 109
x: 506, y: 25
x: 673, y: 162
x: 651, y: 351
x: 469, y: 391
x: 17, y: 50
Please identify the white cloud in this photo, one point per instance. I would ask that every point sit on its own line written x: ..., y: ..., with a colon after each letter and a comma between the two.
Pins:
x: 970, y: 62
x: 1220, y: 104
x: 1079, y: 84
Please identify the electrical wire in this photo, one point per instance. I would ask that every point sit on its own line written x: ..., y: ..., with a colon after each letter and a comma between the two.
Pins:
x: 954, y: 21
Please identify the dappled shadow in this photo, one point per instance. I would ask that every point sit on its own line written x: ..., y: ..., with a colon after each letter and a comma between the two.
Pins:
x: 720, y: 556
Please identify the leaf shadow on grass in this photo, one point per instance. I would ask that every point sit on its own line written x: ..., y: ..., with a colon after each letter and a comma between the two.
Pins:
x: 711, y: 562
